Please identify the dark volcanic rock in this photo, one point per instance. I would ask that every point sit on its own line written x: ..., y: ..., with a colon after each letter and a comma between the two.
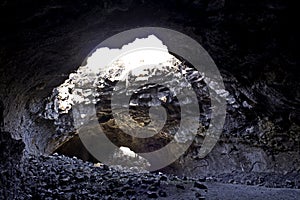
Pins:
x: 200, y: 186
x: 253, y: 42
x: 58, y: 176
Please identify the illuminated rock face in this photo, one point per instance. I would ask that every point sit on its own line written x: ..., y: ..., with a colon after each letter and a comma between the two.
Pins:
x: 44, y: 44
x: 94, y: 84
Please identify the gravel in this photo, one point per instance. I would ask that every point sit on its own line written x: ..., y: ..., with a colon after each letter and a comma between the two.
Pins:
x: 61, y: 177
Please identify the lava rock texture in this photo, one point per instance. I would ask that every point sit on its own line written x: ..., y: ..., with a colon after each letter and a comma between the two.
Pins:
x: 253, y: 42
x: 61, y: 177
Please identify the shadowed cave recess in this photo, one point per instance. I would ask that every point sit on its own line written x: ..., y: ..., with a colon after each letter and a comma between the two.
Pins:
x: 253, y: 44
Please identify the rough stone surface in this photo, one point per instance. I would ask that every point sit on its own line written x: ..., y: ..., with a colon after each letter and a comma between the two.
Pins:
x: 253, y: 42
x: 61, y: 177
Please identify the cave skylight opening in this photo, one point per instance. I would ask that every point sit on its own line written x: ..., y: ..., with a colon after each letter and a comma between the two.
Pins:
x: 108, y: 65
x: 81, y: 86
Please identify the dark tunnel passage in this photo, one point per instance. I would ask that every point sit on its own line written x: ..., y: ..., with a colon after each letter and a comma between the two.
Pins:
x: 254, y: 46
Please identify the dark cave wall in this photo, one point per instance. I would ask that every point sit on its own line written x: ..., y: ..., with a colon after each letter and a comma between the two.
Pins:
x: 252, y: 42
x: 1, y: 115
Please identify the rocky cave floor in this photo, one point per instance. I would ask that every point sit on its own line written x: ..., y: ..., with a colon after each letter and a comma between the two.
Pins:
x: 61, y: 177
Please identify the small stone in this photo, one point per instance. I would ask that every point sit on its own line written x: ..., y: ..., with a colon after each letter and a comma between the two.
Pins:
x: 200, y: 185
x: 152, y: 195
x: 248, y: 182
x: 97, y: 165
x: 162, y: 193
x: 202, y: 179
x: 105, y: 167
x: 108, y: 198
x: 66, y: 179
x: 180, y: 186
x: 290, y: 183
x: 231, y: 181
x: 164, y: 178
x: 130, y: 192
x: 148, y: 181
x: 66, y: 189
x: 261, y: 180
x: 153, y: 188
x: 79, y: 176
